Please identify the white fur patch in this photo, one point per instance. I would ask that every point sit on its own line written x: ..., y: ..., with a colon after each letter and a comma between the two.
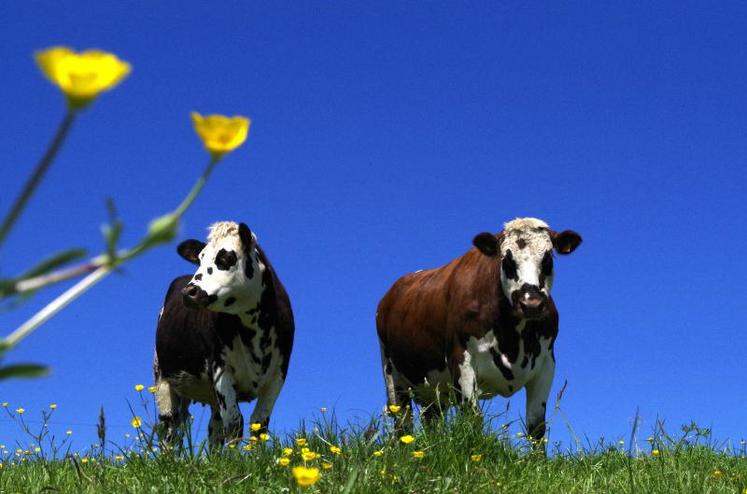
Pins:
x: 528, y: 239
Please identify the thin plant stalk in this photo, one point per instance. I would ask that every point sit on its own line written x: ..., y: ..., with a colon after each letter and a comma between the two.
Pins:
x: 37, y: 175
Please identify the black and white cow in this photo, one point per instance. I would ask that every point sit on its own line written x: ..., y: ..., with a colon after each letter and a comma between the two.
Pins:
x: 483, y: 324
x: 224, y: 335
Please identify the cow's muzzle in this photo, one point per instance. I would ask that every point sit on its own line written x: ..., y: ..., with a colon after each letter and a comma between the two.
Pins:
x: 530, y: 302
x: 194, y: 296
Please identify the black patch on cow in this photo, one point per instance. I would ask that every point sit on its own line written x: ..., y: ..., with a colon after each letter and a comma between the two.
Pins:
x: 225, y: 259
x: 521, y: 243
x: 545, y: 268
x: 511, y: 388
x: 266, y: 362
x: 229, y: 301
x: 198, y: 277
x: 509, y: 266
x: 501, y: 367
x: 209, y: 270
x: 525, y: 361
x: 248, y: 267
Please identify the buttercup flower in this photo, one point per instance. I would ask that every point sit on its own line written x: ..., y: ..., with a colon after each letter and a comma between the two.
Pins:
x: 136, y: 422
x: 394, y: 408
x: 326, y: 465
x: 308, y: 455
x: 255, y: 427
x: 119, y: 457
x: 247, y: 447
x: 418, y: 454
x: 378, y: 452
x: 287, y: 451
x: 81, y: 76
x: 5, y: 404
x: 407, y: 439
x: 300, y: 441
x: 69, y: 432
x: 323, y: 409
x: 139, y: 387
x: 264, y: 436
x: 335, y: 450
x: 306, y: 477
x: 284, y: 462
x: 152, y: 389
x: 655, y: 452
x: 53, y: 406
x: 717, y: 474
x: 20, y: 411
x: 476, y: 458
x: 221, y: 134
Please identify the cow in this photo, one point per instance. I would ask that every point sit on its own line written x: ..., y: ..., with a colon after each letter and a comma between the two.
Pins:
x: 224, y: 335
x: 482, y: 325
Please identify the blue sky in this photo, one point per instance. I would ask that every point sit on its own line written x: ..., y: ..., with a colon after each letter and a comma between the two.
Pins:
x: 385, y: 136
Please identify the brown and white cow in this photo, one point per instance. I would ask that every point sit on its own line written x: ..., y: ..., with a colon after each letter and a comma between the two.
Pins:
x: 482, y: 325
x: 224, y: 335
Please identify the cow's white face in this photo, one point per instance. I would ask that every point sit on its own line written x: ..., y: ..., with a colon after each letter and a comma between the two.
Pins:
x: 228, y: 278
x: 525, y: 252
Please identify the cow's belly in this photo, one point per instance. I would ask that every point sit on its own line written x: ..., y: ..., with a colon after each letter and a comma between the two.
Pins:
x: 497, y: 374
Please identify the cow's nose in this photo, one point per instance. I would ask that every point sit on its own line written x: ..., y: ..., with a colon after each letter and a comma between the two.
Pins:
x: 532, y: 303
x: 194, y: 296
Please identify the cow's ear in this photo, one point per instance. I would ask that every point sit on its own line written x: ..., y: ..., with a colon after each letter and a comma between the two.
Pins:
x: 246, y: 236
x: 565, y: 242
x: 487, y: 243
x: 190, y: 250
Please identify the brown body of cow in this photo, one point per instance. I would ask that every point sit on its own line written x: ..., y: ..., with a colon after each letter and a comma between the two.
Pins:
x: 469, y: 329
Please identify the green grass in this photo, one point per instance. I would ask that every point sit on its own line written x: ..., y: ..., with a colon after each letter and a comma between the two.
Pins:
x: 690, y: 462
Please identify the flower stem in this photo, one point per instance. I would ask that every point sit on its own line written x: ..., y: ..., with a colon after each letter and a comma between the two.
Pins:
x: 41, y: 169
x: 197, y: 187
x: 55, y: 306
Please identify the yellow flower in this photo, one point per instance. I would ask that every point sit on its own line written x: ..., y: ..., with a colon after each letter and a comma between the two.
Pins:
x: 306, y: 477
x: 69, y: 432
x: 394, y: 408
x: 326, y: 465
x: 283, y: 462
x: 136, y: 422
x: 20, y: 411
x: 5, y: 404
x: 717, y: 474
x: 287, y: 451
x: 378, y: 452
x: 232, y: 445
x: 81, y: 76
x: 335, y: 450
x: 476, y: 458
x: 655, y: 452
x: 84, y: 460
x: 119, y: 457
x: 221, y: 134
x: 264, y: 436
x: 650, y: 439
x: 247, y: 447
x: 139, y: 387
x: 255, y: 426
x: 418, y: 454
x: 323, y: 409
x: 152, y: 389
x: 520, y: 434
x: 37, y: 449
x: 407, y: 439
x: 308, y: 455
x: 53, y: 406
x: 621, y: 442
x: 300, y: 441
x: 253, y: 439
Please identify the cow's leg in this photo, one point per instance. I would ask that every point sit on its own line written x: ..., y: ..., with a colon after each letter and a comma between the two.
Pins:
x: 538, y: 390
x: 173, y: 410
x: 465, y: 379
x: 397, y: 395
x: 266, y: 397
x: 216, y: 435
x: 228, y: 405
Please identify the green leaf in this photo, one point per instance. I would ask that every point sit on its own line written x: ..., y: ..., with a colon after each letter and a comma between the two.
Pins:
x: 23, y: 370
x: 57, y: 260
x: 112, y: 231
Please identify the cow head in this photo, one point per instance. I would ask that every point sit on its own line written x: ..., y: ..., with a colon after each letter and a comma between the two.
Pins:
x: 228, y: 278
x: 525, y: 252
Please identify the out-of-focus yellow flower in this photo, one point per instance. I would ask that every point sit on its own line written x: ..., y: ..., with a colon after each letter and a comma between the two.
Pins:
x: 650, y: 439
x: 247, y: 447
x: 306, y: 477
x: 326, y: 465
x: 37, y: 449
x: 655, y: 452
x: 407, y: 439
x: 300, y: 441
x: 119, y: 457
x: 254, y: 439
x: 69, y: 432
x: 418, y: 454
x: 84, y: 460
x: 136, y: 422
x: 264, y: 437
x: 335, y: 450
x: 5, y: 404
x: 476, y: 458
x: 287, y: 451
x: 283, y: 462
x: 232, y: 445
x: 255, y: 427
x: 53, y: 406
x: 81, y: 76
x: 221, y: 134
x: 394, y: 408
x: 152, y: 389
x: 139, y: 387
x: 717, y: 474
x: 20, y: 411
x: 621, y: 442
x: 378, y: 452
x: 308, y: 455
x: 323, y: 409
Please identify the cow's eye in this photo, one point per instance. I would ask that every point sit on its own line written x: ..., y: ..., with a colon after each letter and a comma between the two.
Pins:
x: 509, y: 266
x: 547, y: 263
x: 225, y: 259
